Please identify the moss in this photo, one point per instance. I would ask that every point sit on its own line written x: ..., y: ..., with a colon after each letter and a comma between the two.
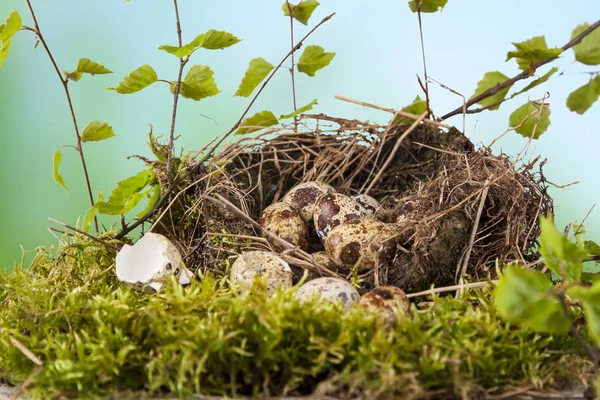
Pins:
x: 96, y: 336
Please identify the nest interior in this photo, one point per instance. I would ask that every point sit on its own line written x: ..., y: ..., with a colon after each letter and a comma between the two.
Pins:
x: 456, y: 209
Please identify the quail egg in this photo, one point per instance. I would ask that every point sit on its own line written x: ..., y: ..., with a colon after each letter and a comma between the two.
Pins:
x: 369, y: 203
x: 302, y: 198
x: 362, y: 243
x: 321, y: 258
x: 271, y: 268
x: 329, y: 289
x: 282, y: 220
x: 385, y: 300
x: 334, y: 209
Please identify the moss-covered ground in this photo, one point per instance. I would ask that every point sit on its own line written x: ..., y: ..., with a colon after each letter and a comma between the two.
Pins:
x: 97, y: 337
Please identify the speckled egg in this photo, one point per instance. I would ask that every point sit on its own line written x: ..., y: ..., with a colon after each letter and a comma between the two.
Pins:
x: 321, y: 258
x: 334, y: 209
x: 362, y: 243
x: 369, y: 203
x: 270, y: 267
x: 282, y: 220
x: 302, y: 198
x: 329, y: 289
x: 385, y: 300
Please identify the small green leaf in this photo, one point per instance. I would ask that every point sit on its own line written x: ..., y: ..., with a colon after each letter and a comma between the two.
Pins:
x: 96, y: 131
x: 591, y: 247
x: 128, y: 193
x: 588, y: 50
x: 257, y: 122
x: 524, y: 296
x: 490, y: 80
x: 12, y: 26
x: 590, y: 277
x: 87, y: 66
x: 427, y: 6
x: 314, y: 58
x: 152, y: 199
x: 257, y: 71
x: 537, y: 82
x: 582, y: 98
x: 185, y: 50
x: 560, y: 255
x: 417, y: 107
x: 137, y: 80
x: 532, y: 51
x: 56, y: 160
x: 590, y: 301
x: 533, y: 119
x: 211, y: 40
x: 198, y: 83
x: 89, y: 218
x: 302, y: 11
x: 299, y: 111
x: 73, y: 76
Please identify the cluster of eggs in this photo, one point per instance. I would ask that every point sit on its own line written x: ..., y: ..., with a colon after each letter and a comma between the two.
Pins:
x: 351, y: 236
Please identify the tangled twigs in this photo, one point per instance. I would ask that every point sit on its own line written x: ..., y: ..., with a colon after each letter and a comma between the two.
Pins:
x: 523, y: 75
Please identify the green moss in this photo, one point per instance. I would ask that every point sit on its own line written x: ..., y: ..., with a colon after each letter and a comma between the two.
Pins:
x: 98, y: 337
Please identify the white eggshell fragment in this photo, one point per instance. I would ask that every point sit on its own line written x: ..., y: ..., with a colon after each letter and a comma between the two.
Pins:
x: 329, y: 289
x: 334, y: 209
x: 282, y: 220
x: 303, y: 197
x: 388, y: 301
x: 269, y: 266
x: 369, y: 203
x: 150, y: 261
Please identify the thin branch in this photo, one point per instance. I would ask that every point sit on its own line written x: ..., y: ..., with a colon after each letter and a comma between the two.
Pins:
x: 452, y: 288
x: 292, y: 11
x: 105, y: 243
x: 523, y: 75
x: 65, y: 84
x: 591, y: 352
x: 426, y: 89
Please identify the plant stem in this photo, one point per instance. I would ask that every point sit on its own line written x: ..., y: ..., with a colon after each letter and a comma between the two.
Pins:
x: 291, y: 11
x: 591, y: 352
x: 423, y: 54
x: 65, y: 84
x: 523, y: 75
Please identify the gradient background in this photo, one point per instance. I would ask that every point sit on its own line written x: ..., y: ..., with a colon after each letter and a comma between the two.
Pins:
x: 378, y: 57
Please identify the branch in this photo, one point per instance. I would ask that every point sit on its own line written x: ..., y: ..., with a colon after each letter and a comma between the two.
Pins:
x: 65, y: 84
x: 292, y: 11
x: 523, y: 75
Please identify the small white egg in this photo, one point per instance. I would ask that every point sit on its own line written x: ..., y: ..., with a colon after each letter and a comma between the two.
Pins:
x: 269, y: 266
x: 329, y: 289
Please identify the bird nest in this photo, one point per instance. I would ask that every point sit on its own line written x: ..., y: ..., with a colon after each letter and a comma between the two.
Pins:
x: 456, y: 209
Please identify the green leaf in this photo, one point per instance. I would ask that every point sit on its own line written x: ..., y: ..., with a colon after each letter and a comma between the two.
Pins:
x: 257, y: 71
x: 89, y: 218
x: 211, y: 40
x: 537, y: 82
x: 590, y: 277
x: 198, y: 83
x: 87, y: 66
x: 590, y: 301
x: 524, y: 296
x: 588, y: 50
x: 152, y: 199
x: 96, y: 131
x: 73, y: 76
x: 56, y: 160
x: 582, y: 98
x: 299, y: 111
x: 532, y: 51
x: 427, y: 6
x: 137, y: 80
x: 185, y: 50
x: 560, y: 255
x: 490, y: 80
x: 417, y: 107
x: 301, y: 12
x: 533, y: 119
x: 592, y: 248
x: 257, y: 122
x: 12, y: 26
x: 314, y: 58
x: 128, y: 193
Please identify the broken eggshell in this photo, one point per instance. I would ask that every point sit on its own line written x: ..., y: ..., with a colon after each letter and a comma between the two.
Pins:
x: 275, y: 271
x: 150, y: 261
x: 329, y: 289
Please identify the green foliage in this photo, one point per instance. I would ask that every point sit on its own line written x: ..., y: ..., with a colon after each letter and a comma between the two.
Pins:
x: 87, y: 66
x: 532, y: 51
x: 417, y: 107
x: 198, y: 83
x: 560, y: 255
x: 537, y: 82
x: 582, y: 98
x: 257, y: 71
x: 302, y: 11
x: 314, y: 58
x: 490, y: 80
x: 299, y: 111
x: 96, y: 131
x: 590, y: 301
x: 257, y: 122
x: 531, y: 119
x: 128, y: 194
x: 524, y: 297
x: 56, y: 160
x: 12, y: 26
x: 153, y: 196
x: 211, y: 40
x: 137, y: 80
x: 588, y: 51
x: 427, y: 6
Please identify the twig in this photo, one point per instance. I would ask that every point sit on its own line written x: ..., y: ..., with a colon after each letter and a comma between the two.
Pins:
x: 292, y: 11
x: 112, y: 246
x: 576, y: 231
x: 523, y: 75
x: 592, y: 353
x: 426, y: 89
x: 65, y: 85
x: 451, y: 288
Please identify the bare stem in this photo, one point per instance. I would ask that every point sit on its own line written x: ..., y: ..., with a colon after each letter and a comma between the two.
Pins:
x: 523, y: 75
x: 65, y: 84
x: 291, y: 11
x: 423, y: 54
x: 591, y: 352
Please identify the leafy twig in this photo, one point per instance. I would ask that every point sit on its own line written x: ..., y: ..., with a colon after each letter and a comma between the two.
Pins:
x: 591, y: 352
x: 65, y: 84
x: 523, y: 75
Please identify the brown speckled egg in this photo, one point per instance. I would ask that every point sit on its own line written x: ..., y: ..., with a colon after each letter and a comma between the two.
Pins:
x: 282, y: 220
x: 302, y: 198
x: 362, y: 243
x: 321, y: 258
x: 368, y: 202
x: 269, y: 266
x: 329, y: 289
x: 334, y: 209
x: 385, y: 300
